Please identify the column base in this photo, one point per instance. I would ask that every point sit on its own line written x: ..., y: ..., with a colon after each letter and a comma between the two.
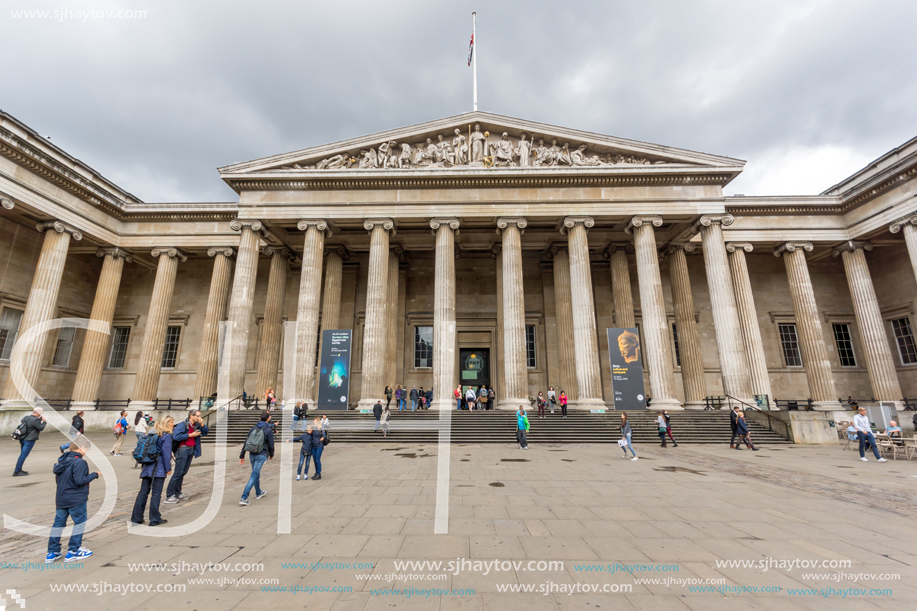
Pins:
x: 15, y: 405
x: 588, y: 404
x: 513, y: 404
x: 661, y: 405
x: 368, y: 404
x: 826, y: 406
x: 442, y: 405
x: 84, y: 406
x: 695, y: 405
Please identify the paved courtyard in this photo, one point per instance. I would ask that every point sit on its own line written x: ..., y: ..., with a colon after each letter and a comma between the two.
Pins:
x: 600, y: 533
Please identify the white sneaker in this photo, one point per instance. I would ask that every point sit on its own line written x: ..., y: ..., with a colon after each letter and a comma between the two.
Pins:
x: 864, y: 459
x: 882, y: 460
x: 634, y: 458
x: 297, y: 478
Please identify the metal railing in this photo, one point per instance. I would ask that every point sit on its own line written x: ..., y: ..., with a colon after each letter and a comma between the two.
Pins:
x: 170, y: 404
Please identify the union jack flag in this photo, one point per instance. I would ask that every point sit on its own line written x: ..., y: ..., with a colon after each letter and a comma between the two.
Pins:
x: 470, y: 49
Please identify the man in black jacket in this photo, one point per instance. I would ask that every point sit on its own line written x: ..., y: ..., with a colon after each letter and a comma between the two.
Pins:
x: 73, y: 477
x: 35, y: 423
x: 187, y: 434
x: 377, y: 412
x: 734, y: 423
x: 259, y: 443
x: 415, y: 397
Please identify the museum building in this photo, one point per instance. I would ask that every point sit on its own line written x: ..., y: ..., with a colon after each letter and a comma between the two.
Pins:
x: 476, y: 249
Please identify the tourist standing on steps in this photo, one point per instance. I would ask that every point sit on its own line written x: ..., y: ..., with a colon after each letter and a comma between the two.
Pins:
x: 663, y: 428
x: 552, y: 397
x: 140, y: 428
x: 186, y: 441
x: 627, y: 435
x: 668, y: 427
x: 270, y: 399
x: 471, y: 398
x: 153, y: 475
x: 377, y: 413
x: 72, y: 476
x: 388, y: 396
x: 734, y: 423
x: 458, y: 397
x: 563, y: 403
x: 414, y: 396
x: 31, y: 426
x: 742, y: 428
x: 318, y: 446
x: 305, y: 452
x: 522, y: 427
x: 399, y: 398
x: 491, y: 397
x: 120, y: 429
x: 541, y: 403
x: 386, y: 422
x: 864, y: 434
x: 421, y: 398
x: 428, y: 397
x: 260, y: 447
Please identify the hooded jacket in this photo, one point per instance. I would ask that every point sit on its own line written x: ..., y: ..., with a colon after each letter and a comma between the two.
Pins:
x: 73, y: 477
x: 268, y: 439
x: 36, y: 426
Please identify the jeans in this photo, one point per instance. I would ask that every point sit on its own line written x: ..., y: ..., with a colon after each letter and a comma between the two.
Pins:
x: 378, y: 418
x: 540, y: 409
x: 317, y: 457
x: 26, y: 448
x: 413, y: 404
x: 400, y: 404
x: 303, y: 457
x: 78, y: 514
x: 864, y: 437
x: 257, y: 461
x: 520, y: 437
x: 563, y: 409
x: 146, y: 485
x: 183, y: 458
x: 293, y: 426
x: 458, y: 405
x: 629, y: 447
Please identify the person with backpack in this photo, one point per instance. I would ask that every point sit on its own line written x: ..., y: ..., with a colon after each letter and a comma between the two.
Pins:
x: 541, y: 404
x: 319, y: 440
x: 305, y: 452
x: 471, y: 398
x: 522, y: 427
x: 120, y: 431
x: 414, y: 398
x: 428, y: 398
x: 140, y: 429
x: 377, y: 413
x: 260, y: 447
x: 663, y: 427
x: 491, y: 397
x: 399, y: 397
x: 30, y: 427
x: 76, y: 428
x: 458, y: 398
x: 72, y: 477
x: 186, y: 446
x: 421, y: 398
x: 154, y: 454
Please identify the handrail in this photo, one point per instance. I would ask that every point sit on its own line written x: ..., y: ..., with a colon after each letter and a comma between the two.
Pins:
x: 214, y: 410
x: 742, y: 402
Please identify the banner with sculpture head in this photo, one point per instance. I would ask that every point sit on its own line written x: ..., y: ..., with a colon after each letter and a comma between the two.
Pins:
x: 626, y: 355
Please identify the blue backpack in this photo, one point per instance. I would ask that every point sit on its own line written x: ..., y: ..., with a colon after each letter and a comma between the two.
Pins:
x: 147, y: 450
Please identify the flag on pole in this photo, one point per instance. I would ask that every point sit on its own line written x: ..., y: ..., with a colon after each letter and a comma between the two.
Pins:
x: 470, y: 49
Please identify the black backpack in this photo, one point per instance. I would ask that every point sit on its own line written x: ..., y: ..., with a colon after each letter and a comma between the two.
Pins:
x: 147, y: 450
x: 21, y: 431
x: 325, y: 440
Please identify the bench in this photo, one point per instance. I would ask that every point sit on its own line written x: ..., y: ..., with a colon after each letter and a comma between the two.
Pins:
x: 112, y: 405
x: 792, y: 405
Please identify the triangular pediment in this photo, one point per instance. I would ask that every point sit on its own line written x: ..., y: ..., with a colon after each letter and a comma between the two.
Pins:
x: 479, y: 140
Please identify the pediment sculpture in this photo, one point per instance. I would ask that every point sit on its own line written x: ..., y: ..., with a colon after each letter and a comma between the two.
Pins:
x: 472, y: 149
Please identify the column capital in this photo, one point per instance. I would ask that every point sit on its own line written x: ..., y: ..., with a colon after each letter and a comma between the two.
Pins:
x: 639, y: 221
x: 320, y: 224
x: 572, y: 221
x: 115, y: 253
x: 910, y: 219
x: 452, y: 223
x: 505, y: 221
x: 60, y: 227
x: 724, y: 220
x: 340, y: 250
x: 674, y: 247
x: 7, y: 203
x: 169, y: 251
x: 734, y: 246
x: 386, y: 224
x: 613, y: 247
x: 850, y: 246
x: 792, y: 247
x: 254, y: 225
x: 226, y: 251
x: 280, y: 251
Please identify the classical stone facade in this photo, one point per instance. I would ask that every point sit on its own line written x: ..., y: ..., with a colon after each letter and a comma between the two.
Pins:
x: 517, y: 241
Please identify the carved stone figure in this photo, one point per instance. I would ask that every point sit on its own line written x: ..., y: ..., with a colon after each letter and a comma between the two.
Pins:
x: 503, y: 151
x: 404, y: 161
x: 419, y: 158
x: 384, y: 149
x: 460, y: 145
x: 578, y: 157
x: 541, y: 154
x: 431, y: 152
x: 477, y: 144
x: 445, y: 151
x: 563, y: 155
x: 369, y: 159
x: 523, y: 151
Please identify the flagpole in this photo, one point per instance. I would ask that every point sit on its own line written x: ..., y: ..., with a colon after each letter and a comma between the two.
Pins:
x: 474, y: 58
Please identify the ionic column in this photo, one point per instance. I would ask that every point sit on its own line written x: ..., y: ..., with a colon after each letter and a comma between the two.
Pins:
x: 391, y: 318
x: 444, y: 333
x: 95, y: 346
x: 585, y: 342
x: 515, y: 381
x: 811, y: 339
x: 331, y: 296
x: 272, y: 328
x: 146, y: 382
x: 729, y: 342
x: 909, y: 224
x: 497, y: 254
x: 748, y: 318
x: 563, y: 312
x: 374, y: 357
x: 310, y: 282
x: 692, y: 359
x: 657, y: 351
x: 241, y: 303
x: 620, y: 285
x: 206, y: 383
x: 42, y: 302
x: 879, y: 363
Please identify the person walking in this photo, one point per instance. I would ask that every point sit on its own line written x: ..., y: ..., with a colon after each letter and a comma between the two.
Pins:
x: 260, y: 447
x: 399, y: 397
x: 742, y: 428
x: 72, y: 476
x: 297, y: 416
x: 541, y: 404
x: 563, y: 403
x: 186, y: 445
x: 318, y: 446
x: 663, y: 427
x: 414, y: 397
x: 626, y: 435
x: 120, y: 430
x: 30, y: 428
x: 305, y: 452
x: 76, y: 428
x: 386, y: 422
x: 458, y: 397
x: 377, y: 413
x: 153, y: 475
x: 734, y: 424
x: 428, y: 398
x: 491, y: 397
x: 421, y: 398
x: 482, y: 398
x: 470, y: 398
x: 388, y: 395
x: 522, y: 428
x: 552, y: 397
x: 668, y: 428
x: 864, y: 434
x: 140, y: 428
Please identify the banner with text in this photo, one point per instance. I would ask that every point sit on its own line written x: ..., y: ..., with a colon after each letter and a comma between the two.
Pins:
x: 626, y: 355
x: 334, y: 370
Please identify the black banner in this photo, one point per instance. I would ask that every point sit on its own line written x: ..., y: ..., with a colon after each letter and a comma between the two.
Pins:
x: 334, y: 370
x: 626, y: 368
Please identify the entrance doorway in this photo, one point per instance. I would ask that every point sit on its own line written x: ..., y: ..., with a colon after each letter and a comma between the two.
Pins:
x: 474, y: 367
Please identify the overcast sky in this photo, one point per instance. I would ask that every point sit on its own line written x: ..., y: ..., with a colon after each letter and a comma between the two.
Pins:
x: 806, y: 91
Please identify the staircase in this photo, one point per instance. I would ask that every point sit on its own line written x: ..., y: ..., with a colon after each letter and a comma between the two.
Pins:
x: 500, y: 427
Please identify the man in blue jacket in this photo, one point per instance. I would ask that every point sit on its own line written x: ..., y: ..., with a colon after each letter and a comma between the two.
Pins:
x: 73, y: 477
x: 259, y: 443
x: 187, y: 436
